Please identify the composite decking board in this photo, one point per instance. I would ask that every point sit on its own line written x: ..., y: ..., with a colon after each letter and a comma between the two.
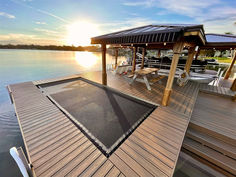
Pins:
x: 104, y: 169
x: 139, y: 158
x: 159, y: 166
x: 122, y: 166
x: 213, y: 156
x: 212, y: 142
x: 217, y: 90
x: 157, y: 140
x: 159, y: 136
x: 79, y: 166
x: 113, y: 172
x: 221, y: 107
x: 139, y: 169
x: 55, y: 148
x: 69, y: 159
x: 92, y: 168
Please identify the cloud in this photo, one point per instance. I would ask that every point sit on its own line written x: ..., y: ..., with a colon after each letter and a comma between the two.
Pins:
x: 216, y: 15
x: 147, y: 3
x: 7, y: 15
x: 49, y: 33
x: 18, y: 38
x: 41, y: 11
x: 184, y: 7
x: 125, y: 24
x: 52, y: 15
x: 45, y: 30
x: 40, y: 23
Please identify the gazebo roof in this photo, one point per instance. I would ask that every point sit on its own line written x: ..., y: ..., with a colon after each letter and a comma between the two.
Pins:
x: 152, y: 34
x: 220, y: 41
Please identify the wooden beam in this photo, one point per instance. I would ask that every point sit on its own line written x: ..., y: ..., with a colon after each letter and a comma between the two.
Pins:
x: 104, y: 72
x: 116, y: 57
x: 191, y: 53
x: 228, y: 72
x: 143, y: 57
x: 177, y: 49
x: 159, y: 53
x: 134, y: 59
x: 195, y: 33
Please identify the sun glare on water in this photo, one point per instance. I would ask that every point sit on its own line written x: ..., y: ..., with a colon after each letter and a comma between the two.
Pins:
x: 80, y: 32
x: 86, y: 59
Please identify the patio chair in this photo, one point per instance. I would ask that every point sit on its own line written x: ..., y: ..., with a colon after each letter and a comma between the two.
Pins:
x: 21, y: 161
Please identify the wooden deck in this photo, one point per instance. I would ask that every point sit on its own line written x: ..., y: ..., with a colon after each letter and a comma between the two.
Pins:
x: 56, y: 147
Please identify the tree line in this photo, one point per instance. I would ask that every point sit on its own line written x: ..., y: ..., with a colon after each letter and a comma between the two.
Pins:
x: 52, y: 47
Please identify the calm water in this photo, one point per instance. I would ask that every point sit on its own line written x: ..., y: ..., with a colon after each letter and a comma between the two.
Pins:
x: 27, y: 65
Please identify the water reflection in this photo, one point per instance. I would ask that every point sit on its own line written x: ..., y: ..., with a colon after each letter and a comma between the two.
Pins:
x: 27, y: 65
x: 86, y: 59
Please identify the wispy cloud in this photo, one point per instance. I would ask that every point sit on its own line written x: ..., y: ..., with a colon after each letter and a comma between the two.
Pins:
x: 4, y: 14
x: 50, y: 33
x: 53, y: 15
x: 40, y: 23
x: 41, y: 11
x: 45, y: 30
x: 211, y: 13
x: 125, y: 24
x: 147, y: 3
x: 185, y: 7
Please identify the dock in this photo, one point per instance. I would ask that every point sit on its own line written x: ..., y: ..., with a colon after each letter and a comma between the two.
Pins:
x: 56, y: 147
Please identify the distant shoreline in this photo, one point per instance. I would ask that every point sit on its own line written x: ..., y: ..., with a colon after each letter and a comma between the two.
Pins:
x: 52, y: 47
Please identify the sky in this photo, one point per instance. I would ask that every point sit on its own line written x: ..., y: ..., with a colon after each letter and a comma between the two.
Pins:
x: 73, y: 22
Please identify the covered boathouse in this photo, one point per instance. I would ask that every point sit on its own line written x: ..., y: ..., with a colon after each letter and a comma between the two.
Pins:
x: 197, y: 118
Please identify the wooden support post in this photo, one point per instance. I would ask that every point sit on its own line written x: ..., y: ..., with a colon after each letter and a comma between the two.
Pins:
x: 228, y: 72
x: 143, y: 58
x: 177, y: 49
x: 191, y: 52
x: 116, y: 57
x: 134, y: 59
x: 104, y: 71
x: 159, y: 53
x: 233, y: 86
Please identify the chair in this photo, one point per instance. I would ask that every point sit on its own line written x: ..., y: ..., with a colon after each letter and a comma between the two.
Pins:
x: 20, y: 159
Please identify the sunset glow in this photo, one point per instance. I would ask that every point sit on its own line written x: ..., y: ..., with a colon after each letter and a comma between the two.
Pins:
x: 79, y: 33
x: 86, y: 59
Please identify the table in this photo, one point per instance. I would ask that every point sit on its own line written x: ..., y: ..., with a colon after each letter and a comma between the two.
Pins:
x: 144, y: 73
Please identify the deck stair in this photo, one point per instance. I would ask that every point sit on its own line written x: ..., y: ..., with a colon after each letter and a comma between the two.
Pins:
x: 211, y: 149
x: 187, y: 166
x: 217, y: 90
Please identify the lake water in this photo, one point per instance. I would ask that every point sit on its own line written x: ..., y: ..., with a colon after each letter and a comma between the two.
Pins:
x: 28, y: 65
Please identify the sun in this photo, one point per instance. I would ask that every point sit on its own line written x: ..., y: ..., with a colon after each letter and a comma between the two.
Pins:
x: 80, y: 32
